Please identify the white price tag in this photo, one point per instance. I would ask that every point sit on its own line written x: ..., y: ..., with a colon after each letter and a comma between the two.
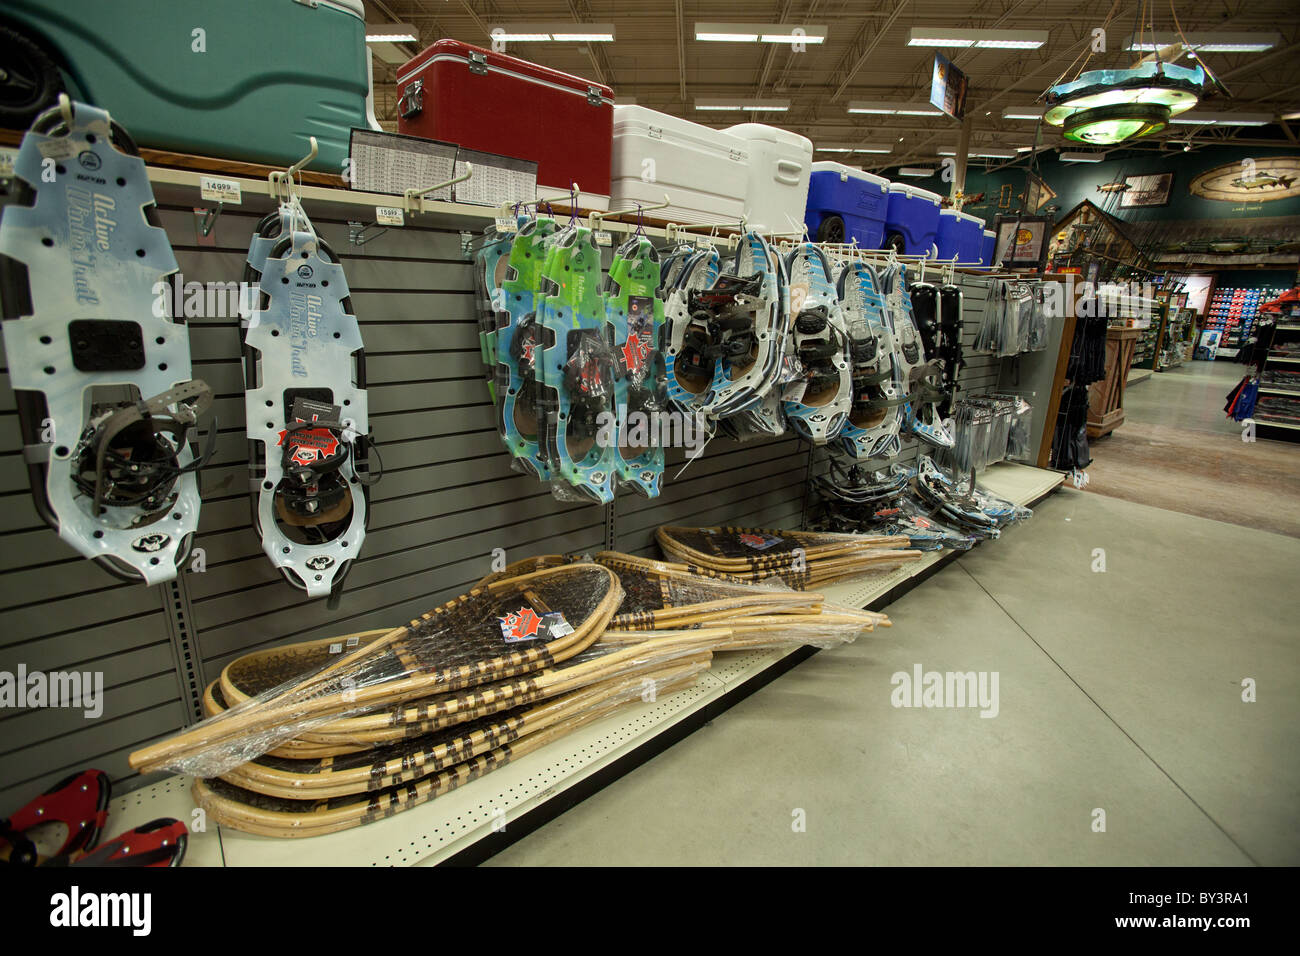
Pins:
x: 7, y: 158
x: 220, y: 190
x: 603, y: 238
x: 506, y: 224
x: 336, y: 648
x: 389, y: 216
x: 56, y: 149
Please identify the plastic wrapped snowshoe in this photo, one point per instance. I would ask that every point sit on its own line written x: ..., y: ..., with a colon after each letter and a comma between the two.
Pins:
x: 518, y: 346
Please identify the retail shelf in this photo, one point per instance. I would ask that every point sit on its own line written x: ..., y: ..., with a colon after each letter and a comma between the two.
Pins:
x: 1271, y: 390
x: 1275, y: 424
x: 457, y: 822
x: 1281, y: 358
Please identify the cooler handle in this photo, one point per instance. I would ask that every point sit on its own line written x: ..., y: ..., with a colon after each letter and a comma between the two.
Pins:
x: 787, y: 171
x: 411, y: 102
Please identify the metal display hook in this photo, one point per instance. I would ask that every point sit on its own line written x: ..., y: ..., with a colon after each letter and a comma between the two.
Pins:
x: 597, y: 219
x: 281, y: 184
x: 416, y: 196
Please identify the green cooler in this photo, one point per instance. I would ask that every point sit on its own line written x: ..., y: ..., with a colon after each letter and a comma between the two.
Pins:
x: 240, y: 79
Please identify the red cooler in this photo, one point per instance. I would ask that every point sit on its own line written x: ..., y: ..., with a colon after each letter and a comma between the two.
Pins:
x: 488, y: 101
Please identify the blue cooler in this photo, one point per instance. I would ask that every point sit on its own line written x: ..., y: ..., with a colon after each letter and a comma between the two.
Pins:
x: 948, y: 238
x: 970, y: 238
x: 845, y: 204
x: 912, y: 216
x: 988, y: 242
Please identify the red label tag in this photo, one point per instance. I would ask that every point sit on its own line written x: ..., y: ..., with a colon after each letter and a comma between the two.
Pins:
x: 310, y: 445
x: 520, y: 625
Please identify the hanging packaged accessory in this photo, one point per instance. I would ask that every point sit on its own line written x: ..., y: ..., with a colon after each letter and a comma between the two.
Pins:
x: 817, y: 402
x: 101, y: 375
x: 306, y: 409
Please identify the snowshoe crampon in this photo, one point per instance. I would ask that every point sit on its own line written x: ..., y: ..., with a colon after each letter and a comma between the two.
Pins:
x: 101, y: 375
x: 306, y: 408
x: 519, y: 346
x: 817, y: 403
x: 578, y: 372
x: 635, y: 316
x: 879, y: 394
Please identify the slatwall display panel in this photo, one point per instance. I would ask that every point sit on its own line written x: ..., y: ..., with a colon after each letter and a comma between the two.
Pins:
x: 60, y: 613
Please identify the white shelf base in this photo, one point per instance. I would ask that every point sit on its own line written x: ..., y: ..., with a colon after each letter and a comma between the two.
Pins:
x: 438, y: 830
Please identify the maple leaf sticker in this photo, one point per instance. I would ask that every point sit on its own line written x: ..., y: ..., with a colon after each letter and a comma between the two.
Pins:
x: 633, y: 352
x: 520, y: 625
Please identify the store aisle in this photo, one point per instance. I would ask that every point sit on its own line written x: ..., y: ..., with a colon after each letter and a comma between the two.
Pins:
x: 1177, y: 450
x: 1118, y: 690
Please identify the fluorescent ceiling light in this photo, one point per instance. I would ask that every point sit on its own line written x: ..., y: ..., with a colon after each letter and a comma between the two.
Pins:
x: 390, y: 33
x: 1024, y: 149
x: 892, y: 109
x: 1198, y: 117
x: 834, y: 149
x: 980, y: 39
x: 1205, y: 41
x: 915, y: 172
x: 766, y: 32
x: 560, y: 32
x: 947, y: 152
x: 1023, y: 112
x: 779, y: 106
x: 853, y: 149
x: 872, y: 149
x: 994, y: 154
x: 1082, y: 157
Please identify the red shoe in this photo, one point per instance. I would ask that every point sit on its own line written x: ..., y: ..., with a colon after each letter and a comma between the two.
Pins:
x: 159, y: 843
x: 79, y: 803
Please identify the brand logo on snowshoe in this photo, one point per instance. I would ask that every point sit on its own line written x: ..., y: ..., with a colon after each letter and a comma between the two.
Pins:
x: 311, y: 445
x: 305, y: 272
x: 320, y: 562
x: 149, y: 543
x: 598, y: 477
x: 89, y: 160
x: 520, y: 624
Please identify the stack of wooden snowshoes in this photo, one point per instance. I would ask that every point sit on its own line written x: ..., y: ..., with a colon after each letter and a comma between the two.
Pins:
x: 324, y: 735
x: 800, y: 559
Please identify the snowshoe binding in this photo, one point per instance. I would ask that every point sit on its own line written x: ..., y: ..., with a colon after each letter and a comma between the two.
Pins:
x: 688, y: 361
x: 102, y: 376
x: 923, y: 376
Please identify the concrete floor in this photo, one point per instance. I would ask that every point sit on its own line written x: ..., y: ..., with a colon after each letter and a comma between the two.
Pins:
x: 1119, y: 690
x: 1177, y: 450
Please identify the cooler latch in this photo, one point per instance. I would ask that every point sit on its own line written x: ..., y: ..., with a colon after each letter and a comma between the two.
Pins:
x: 411, y: 101
x: 478, y: 62
x: 593, y: 96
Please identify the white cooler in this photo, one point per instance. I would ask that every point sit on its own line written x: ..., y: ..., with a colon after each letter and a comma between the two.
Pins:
x: 779, y: 165
x: 704, y: 171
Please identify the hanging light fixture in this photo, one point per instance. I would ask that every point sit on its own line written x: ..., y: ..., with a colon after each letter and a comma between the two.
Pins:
x: 1103, y: 107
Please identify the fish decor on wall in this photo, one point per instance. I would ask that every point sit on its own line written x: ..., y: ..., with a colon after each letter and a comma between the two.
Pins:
x: 1250, y: 180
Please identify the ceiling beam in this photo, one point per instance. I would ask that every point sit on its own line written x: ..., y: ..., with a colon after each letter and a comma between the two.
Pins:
x: 600, y: 63
x: 862, y: 47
